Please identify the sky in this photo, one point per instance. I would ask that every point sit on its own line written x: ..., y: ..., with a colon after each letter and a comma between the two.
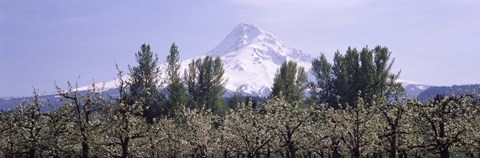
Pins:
x: 44, y: 43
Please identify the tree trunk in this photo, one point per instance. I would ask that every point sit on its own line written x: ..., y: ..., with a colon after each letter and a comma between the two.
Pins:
x: 152, y: 148
x: 405, y: 155
x: 85, y: 148
x: 356, y: 134
x: 470, y: 155
x: 225, y: 153
x: 291, y: 151
x: 257, y: 154
x: 125, y: 147
x: 31, y: 152
x: 393, y: 147
x: 444, y: 153
x: 322, y: 154
x: 336, y: 153
x: 309, y: 154
x: 356, y: 153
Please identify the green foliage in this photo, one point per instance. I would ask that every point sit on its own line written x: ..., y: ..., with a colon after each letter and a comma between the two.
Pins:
x: 290, y: 82
x: 205, y: 83
x: 176, y: 92
x: 143, y: 83
x: 367, y: 71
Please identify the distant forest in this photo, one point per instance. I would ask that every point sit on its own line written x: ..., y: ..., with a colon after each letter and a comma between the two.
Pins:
x: 432, y: 92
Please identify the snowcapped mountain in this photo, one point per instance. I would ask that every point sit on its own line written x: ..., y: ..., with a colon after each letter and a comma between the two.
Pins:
x: 413, y: 89
x: 251, y: 57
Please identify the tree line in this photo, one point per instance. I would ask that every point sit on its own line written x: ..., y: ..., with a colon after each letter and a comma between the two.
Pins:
x: 354, y: 108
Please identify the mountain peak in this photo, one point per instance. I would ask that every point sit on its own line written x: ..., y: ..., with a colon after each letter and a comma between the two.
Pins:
x: 251, y: 57
x: 242, y: 35
x: 246, y: 28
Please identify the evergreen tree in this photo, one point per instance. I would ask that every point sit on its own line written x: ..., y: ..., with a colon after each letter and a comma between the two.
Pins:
x: 144, y: 81
x: 235, y: 100
x: 322, y: 89
x: 290, y: 82
x: 205, y: 83
x: 176, y: 92
x: 368, y: 71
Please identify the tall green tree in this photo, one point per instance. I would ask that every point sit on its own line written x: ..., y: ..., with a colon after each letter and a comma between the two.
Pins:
x: 205, y: 83
x: 176, y: 92
x: 144, y: 81
x: 322, y: 88
x: 290, y: 82
x: 367, y: 71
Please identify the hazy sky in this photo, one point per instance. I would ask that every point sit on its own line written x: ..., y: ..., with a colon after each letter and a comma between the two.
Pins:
x: 434, y: 42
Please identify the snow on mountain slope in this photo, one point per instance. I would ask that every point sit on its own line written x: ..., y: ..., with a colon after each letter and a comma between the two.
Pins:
x: 251, y: 57
x: 413, y: 89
